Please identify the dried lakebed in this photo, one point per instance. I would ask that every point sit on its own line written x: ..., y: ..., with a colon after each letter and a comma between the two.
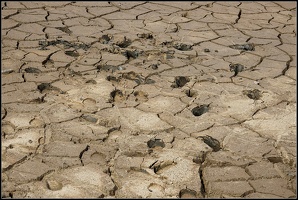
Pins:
x: 148, y: 99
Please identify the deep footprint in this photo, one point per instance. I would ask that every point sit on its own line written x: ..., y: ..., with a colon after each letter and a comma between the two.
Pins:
x: 180, y: 81
x: 199, y: 110
x: 155, y: 143
x: 211, y: 142
x: 245, y: 47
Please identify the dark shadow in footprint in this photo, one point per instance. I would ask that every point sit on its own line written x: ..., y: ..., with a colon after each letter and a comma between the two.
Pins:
x: 125, y: 43
x: 112, y: 79
x: 253, y: 94
x: 107, y: 68
x: 131, y: 54
x: 32, y: 70
x: 180, y: 81
x: 105, y: 39
x: 47, y: 86
x: 72, y: 53
x: 91, y: 81
x: 117, y: 96
x: 145, y: 35
x: 140, y: 96
x: 155, y: 143
x: 199, y: 110
x: 89, y: 118
x: 244, y: 47
x: 183, y: 47
x: 154, y: 66
x: 190, y: 93
x: 236, y: 68
x: 211, y: 142
x: 43, y: 86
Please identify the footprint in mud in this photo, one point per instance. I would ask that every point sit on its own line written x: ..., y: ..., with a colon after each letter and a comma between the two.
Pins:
x: 32, y: 70
x: 105, y: 39
x: 211, y: 142
x: 253, y: 94
x: 124, y: 43
x: 236, y: 68
x: 131, y: 54
x: 190, y: 93
x: 113, y: 79
x: 245, y: 47
x: 169, y: 54
x: 180, y: 81
x: 145, y: 35
x: 140, y: 96
x: 160, y: 166
x: 109, y: 68
x: 133, y: 76
x: 183, y: 47
x: 155, y: 143
x: 47, y: 86
x: 199, y: 110
x: 187, y: 193
x: 117, y: 96
x: 89, y: 118
x: 154, y: 66
x: 91, y: 81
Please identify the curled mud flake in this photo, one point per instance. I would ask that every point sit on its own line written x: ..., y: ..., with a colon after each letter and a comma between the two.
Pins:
x: 199, y: 110
x: 89, y: 118
x: 253, y: 94
x: 145, y: 35
x: 236, y: 68
x: 91, y: 81
x: 187, y: 193
x: 211, y: 142
x: 180, y: 81
x: 244, y: 47
x: 183, y: 47
x: 155, y: 143
x: 54, y: 185
x: 72, y: 53
x: 117, y: 96
x: 32, y: 70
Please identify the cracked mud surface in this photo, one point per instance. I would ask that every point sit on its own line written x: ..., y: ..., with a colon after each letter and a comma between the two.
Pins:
x: 148, y: 99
